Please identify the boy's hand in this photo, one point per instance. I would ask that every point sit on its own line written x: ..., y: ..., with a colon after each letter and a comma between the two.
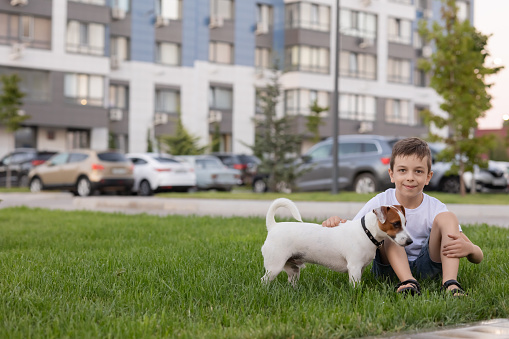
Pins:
x: 333, y: 221
x: 457, y: 247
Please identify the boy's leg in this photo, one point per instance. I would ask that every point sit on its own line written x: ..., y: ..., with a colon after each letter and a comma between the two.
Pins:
x: 396, y: 256
x: 445, y: 223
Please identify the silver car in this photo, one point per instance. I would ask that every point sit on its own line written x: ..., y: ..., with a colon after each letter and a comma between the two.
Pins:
x: 211, y: 173
x: 363, y: 164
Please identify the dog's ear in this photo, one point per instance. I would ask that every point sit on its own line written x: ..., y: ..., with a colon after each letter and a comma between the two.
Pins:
x: 401, y: 208
x: 381, y: 213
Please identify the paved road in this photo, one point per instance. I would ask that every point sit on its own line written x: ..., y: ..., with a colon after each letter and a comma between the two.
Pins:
x: 467, y: 214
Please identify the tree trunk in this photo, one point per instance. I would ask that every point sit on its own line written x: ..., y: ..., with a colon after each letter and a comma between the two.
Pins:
x: 8, y: 177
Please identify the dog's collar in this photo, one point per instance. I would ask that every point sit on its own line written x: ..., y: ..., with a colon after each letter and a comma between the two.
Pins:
x: 370, y: 236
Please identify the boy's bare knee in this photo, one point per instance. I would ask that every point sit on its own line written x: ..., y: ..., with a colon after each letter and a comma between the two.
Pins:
x: 446, y: 221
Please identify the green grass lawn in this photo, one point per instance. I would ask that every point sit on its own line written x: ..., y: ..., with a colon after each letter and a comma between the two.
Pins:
x: 86, y: 274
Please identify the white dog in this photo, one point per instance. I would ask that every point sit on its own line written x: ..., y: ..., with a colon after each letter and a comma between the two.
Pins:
x: 350, y: 247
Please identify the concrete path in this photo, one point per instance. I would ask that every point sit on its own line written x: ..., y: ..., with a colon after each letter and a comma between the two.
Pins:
x: 310, y: 210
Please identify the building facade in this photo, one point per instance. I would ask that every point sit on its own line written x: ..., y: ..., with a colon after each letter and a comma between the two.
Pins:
x: 114, y: 73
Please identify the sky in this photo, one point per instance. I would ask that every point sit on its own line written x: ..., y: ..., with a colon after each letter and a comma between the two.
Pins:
x: 491, y: 17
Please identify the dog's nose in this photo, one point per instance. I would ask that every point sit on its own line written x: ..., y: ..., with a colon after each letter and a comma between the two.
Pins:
x: 408, y: 241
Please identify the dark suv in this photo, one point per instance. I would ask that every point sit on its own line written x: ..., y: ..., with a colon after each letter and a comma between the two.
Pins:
x: 20, y: 162
x: 363, y: 165
x: 247, y: 164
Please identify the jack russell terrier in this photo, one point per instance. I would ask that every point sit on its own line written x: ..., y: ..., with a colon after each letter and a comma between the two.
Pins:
x: 347, y: 248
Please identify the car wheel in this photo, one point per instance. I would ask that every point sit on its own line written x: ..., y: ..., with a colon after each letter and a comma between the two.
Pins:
x: 451, y: 185
x: 23, y: 181
x: 365, y: 183
x: 35, y: 185
x: 259, y: 186
x: 145, y: 190
x: 83, y: 187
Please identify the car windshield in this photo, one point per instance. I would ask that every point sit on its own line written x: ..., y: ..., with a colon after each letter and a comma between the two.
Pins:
x: 166, y: 160
x: 112, y: 157
x: 208, y: 163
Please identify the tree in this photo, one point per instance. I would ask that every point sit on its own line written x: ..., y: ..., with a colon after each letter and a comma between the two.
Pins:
x: 182, y: 143
x: 11, y: 100
x: 458, y: 76
x: 216, y: 139
x: 275, y: 143
x: 314, y: 121
x: 150, y: 146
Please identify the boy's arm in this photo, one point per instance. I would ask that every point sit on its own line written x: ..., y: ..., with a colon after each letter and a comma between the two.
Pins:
x: 462, y: 247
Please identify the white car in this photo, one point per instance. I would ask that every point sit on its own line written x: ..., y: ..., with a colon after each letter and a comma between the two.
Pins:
x: 154, y: 172
x: 211, y: 173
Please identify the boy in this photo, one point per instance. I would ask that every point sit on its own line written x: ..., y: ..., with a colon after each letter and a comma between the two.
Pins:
x: 438, y: 241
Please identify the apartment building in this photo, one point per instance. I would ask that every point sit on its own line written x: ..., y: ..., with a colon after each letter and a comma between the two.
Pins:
x: 98, y: 73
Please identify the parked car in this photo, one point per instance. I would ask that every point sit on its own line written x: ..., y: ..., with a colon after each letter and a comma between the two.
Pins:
x: 247, y: 164
x: 20, y: 162
x: 155, y: 172
x: 84, y: 172
x: 363, y: 165
x: 211, y: 173
x: 486, y: 179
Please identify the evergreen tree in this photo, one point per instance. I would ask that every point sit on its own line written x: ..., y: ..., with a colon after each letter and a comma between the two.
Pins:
x: 182, y: 143
x: 275, y: 143
x: 11, y: 100
x: 458, y: 76
x: 314, y: 121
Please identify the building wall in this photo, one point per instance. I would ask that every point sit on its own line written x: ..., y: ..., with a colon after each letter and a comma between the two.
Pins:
x: 193, y: 78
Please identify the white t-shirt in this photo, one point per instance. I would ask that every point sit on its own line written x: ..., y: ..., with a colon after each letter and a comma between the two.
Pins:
x: 419, y: 220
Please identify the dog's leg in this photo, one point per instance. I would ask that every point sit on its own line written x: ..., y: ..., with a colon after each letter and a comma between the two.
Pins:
x: 355, y: 274
x: 272, y: 270
x: 293, y: 272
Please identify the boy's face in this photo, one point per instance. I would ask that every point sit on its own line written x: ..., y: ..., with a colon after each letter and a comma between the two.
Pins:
x: 410, y: 174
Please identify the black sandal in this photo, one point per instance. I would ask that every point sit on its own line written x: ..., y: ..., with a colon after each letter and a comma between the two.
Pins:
x: 456, y: 292
x: 413, y: 289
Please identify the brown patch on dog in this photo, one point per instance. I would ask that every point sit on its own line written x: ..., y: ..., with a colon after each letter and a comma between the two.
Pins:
x: 392, y: 224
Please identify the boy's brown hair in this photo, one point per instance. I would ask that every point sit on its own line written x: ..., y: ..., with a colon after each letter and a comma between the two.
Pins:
x: 411, y: 146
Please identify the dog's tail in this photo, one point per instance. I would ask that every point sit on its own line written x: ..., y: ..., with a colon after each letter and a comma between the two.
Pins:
x: 281, y: 202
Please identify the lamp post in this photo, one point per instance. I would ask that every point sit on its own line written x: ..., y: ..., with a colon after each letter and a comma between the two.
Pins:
x: 335, y: 108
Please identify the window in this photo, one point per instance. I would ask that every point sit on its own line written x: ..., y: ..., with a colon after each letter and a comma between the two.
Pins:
x: 321, y: 152
x: 220, y: 98
x: 420, y: 78
x: 358, y: 65
x: 398, y: 70
x: 222, y: 8
x: 398, y: 112
x: 34, y: 83
x: 92, y: 2
x: 119, y: 47
x: 168, y: 54
x: 357, y: 107
x: 298, y: 101
x: 85, y: 38
x: 308, y: 16
x: 169, y: 9
x: 118, y: 97
x: 400, y: 31
x: 263, y: 57
x: 32, y: 31
x: 264, y: 14
x: 84, y: 89
x: 307, y: 59
x: 122, y: 4
x: 358, y: 24
x: 167, y: 101
x: 220, y: 52
x: 463, y: 10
